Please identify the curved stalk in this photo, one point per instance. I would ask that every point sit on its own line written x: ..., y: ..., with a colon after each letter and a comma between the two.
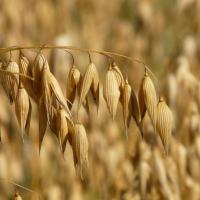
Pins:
x: 104, y: 53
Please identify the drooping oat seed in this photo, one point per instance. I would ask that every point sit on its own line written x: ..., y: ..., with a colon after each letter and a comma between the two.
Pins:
x: 126, y: 104
x: 164, y: 123
x: 111, y: 92
x: 61, y: 126
x: 73, y: 81
x: 51, y: 88
x: 80, y: 146
x: 23, y: 110
x: 90, y: 81
x: 40, y: 64
x: 25, y: 68
x: 150, y: 98
x: 68, y: 138
x: 95, y: 88
x: 118, y: 74
x: 10, y: 82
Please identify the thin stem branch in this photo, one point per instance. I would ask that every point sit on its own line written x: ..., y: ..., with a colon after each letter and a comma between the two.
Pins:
x: 73, y: 61
x: 105, y: 53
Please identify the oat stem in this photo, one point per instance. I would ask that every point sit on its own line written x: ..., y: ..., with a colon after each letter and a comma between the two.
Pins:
x: 105, y: 53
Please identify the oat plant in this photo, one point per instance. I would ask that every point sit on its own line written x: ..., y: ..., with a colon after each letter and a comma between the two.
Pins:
x: 24, y: 82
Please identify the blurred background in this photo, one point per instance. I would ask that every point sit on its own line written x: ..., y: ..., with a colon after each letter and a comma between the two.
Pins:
x: 163, y: 34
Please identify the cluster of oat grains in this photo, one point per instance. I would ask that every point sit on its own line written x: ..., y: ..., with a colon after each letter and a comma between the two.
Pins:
x: 23, y: 81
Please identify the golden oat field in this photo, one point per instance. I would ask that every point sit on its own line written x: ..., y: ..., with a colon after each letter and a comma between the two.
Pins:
x: 99, y: 100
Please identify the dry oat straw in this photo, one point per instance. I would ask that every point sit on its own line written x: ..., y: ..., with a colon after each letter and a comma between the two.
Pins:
x: 24, y: 82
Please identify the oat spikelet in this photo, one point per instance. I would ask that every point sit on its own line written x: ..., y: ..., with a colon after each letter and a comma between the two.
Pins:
x: 73, y: 81
x: 111, y: 92
x: 80, y: 147
x: 40, y: 64
x: 62, y: 126
x: 118, y: 74
x: 95, y: 88
x: 25, y: 68
x: 164, y: 122
x: 126, y: 104
x: 51, y: 88
x: 10, y: 82
x: 90, y: 78
x: 68, y: 138
x: 150, y: 98
x: 23, y: 110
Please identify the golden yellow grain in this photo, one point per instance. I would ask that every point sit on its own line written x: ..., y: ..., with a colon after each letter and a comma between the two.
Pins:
x: 118, y: 74
x: 25, y: 68
x: 51, y: 88
x: 164, y: 123
x: 40, y: 64
x: 90, y: 79
x: 80, y: 147
x: 73, y: 81
x: 61, y: 126
x: 150, y: 98
x: 111, y: 92
x: 10, y: 82
x: 23, y: 110
x: 126, y: 104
